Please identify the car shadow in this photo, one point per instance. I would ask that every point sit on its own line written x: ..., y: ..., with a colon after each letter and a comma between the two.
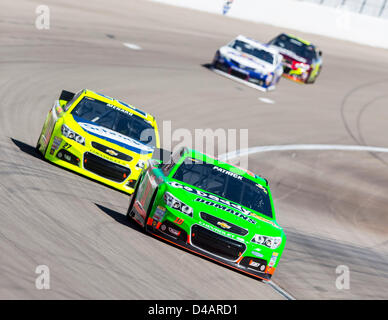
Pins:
x: 30, y: 150
x: 26, y: 148
x: 120, y: 218
x: 207, y: 65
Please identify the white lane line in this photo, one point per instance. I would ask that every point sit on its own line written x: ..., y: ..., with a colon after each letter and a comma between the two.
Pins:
x: 300, y: 147
x: 280, y: 290
x: 132, y: 46
x: 251, y: 85
x: 266, y: 100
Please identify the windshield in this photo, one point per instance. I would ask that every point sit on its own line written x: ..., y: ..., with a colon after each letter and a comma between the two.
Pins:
x: 294, y: 45
x: 253, y: 51
x: 226, y: 184
x: 116, y: 119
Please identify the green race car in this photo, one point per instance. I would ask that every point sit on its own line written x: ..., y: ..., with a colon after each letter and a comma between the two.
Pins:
x: 211, y: 208
x: 99, y: 137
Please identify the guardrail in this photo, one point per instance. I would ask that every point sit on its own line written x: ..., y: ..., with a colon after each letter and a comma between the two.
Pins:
x: 304, y: 15
x: 376, y: 8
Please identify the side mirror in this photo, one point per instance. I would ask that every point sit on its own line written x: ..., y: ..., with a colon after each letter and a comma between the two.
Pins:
x: 320, y: 53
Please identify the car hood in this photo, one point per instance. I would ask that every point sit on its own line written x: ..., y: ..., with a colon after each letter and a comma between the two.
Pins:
x: 246, y: 60
x: 112, y: 136
x: 221, y: 208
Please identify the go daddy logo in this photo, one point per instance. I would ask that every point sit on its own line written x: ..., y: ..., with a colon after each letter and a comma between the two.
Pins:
x: 239, y: 212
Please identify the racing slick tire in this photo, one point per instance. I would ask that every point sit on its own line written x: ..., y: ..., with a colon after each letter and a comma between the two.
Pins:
x: 132, y: 201
x: 316, y: 76
x: 37, y: 147
x: 150, y: 208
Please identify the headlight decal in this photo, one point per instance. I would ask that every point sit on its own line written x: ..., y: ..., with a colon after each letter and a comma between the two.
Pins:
x: 176, y: 204
x: 68, y: 133
x: 267, y: 241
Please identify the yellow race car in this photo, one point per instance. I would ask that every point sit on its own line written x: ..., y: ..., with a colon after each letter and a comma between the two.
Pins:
x: 97, y: 136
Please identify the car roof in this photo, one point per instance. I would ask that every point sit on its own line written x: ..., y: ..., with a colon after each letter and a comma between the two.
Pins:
x: 119, y: 104
x: 224, y: 165
x: 257, y: 44
x: 307, y: 43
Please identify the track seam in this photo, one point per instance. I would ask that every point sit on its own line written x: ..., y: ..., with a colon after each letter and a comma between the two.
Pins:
x: 278, y: 289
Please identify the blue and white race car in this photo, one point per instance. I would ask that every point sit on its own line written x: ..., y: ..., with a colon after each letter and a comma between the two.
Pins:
x: 249, y: 61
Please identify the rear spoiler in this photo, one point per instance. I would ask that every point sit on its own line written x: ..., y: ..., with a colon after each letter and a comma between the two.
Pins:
x: 66, y: 95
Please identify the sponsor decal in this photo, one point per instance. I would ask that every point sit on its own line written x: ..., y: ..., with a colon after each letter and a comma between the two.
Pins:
x: 159, y: 213
x: 254, y: 264
x: 221, y: 232
x: 265, y: 220
x: 59, y: 110
x: 273, y: 259
x: 56, y: 143
x: 174, y: 232
x: 226, y: 209
x: 120, y: 109
x: 257, y: 254
x: 115, y: 137
x: 243, y: 213
x: 131, y: 107
x: 115, y: 160
x: 234, y: 175
x: 237, y: 210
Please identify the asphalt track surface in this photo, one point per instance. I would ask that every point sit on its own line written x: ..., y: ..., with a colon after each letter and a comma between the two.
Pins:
x: 332, y: 204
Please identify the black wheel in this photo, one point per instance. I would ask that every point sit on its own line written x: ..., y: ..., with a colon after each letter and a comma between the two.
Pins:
x: 37, y: 149
x: 132, y: 201
x: 150, y: 208
x: 316, y: 76
x: 215, y: 60
x: 66, y: 95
